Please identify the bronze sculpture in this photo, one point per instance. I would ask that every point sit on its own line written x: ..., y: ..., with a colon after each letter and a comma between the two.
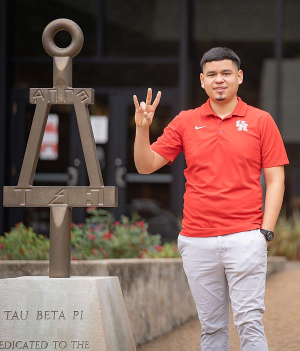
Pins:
x: 60, y: 199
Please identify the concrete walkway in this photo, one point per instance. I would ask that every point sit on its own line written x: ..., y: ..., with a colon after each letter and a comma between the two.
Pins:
x: 281, y: 319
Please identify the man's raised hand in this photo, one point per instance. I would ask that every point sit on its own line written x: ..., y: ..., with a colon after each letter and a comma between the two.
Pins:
x: 144, y: 112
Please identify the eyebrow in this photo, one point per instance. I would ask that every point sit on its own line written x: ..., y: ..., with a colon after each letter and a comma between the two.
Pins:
x: 225, y: 70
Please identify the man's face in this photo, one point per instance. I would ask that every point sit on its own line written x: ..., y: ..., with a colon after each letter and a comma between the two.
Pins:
x: 221, y: 80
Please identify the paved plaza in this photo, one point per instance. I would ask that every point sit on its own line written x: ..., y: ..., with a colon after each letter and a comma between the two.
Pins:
x: 281, y: 319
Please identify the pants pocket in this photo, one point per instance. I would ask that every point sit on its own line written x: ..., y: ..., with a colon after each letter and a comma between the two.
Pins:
x: 262, y: 238
x: 179, y: 243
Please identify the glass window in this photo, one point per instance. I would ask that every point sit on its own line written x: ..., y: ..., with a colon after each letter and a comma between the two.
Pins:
x: 141, y: 28
x: 31, y: 17
x: 125, y: 75
x: 60, y: 164
x: 28, y: 75
x: 289, y: 122
x: 100, y: 110
x: 248, y: 28
x: 234, y: 21
x: 290, y: 82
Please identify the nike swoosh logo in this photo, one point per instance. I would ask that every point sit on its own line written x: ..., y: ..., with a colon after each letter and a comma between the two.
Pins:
x: 199, y: 127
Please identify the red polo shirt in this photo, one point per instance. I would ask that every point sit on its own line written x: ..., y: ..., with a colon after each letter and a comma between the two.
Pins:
x: 224, y: 159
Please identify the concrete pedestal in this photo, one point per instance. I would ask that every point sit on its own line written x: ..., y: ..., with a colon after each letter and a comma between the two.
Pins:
x: 78, y: 313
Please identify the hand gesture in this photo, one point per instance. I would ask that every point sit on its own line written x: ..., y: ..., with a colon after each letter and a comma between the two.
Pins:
x: 144, y: 112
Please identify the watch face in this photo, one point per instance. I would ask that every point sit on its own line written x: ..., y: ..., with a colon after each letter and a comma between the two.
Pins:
x: 270, y: 236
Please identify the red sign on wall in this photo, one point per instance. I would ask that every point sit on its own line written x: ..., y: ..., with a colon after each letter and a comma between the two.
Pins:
x: 49, y: 149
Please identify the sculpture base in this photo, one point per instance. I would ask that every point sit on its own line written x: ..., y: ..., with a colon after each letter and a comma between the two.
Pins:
x: 78, y: 313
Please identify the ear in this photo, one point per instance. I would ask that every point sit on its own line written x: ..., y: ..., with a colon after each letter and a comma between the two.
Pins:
x: 240, y: 76
x: 202, y: 80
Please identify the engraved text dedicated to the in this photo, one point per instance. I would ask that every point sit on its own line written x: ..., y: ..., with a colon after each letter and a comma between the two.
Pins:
x: 43, y: 315
x: 44, y: 345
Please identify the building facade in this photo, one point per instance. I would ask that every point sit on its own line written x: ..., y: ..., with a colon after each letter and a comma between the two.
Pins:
x: 130, y: 46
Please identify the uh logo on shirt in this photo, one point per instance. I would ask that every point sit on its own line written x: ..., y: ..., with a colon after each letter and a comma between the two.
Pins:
x: 241, y: 125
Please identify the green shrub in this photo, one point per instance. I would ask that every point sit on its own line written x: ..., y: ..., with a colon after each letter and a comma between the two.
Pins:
x: 287, y: 237
x: 99, y: 237
x: 22, y: 243
x: 103, y: 237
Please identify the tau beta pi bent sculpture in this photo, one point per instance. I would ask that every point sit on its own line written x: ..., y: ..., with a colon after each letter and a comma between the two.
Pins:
x: 60, y: 199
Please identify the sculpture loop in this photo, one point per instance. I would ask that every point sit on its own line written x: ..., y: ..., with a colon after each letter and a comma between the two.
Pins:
x: 62, y: 24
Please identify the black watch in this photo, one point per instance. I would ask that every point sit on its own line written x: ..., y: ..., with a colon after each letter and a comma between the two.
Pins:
x: 268, y: 234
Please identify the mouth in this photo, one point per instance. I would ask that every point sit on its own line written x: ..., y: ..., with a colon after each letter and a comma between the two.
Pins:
x: 220, y: 89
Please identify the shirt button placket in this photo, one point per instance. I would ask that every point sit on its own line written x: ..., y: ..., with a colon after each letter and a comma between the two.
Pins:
x: 220, y: 131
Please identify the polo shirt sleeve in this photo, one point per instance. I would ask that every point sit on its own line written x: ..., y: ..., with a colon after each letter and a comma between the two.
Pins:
x: 169, y: 144
x: 273, y: 152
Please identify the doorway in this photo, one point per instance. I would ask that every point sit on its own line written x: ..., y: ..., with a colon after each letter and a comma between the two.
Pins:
x: 157, y: 197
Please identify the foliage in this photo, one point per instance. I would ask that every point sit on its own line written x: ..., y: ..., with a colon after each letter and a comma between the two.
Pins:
x: 103, y: 237
x: 22, y: 243
x: 287, y: 237
x: 99, y: 237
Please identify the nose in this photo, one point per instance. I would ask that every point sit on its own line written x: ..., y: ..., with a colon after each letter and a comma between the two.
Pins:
x: 219, y: 78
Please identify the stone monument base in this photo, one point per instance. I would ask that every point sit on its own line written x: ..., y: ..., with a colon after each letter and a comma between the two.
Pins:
x: 78, y: 313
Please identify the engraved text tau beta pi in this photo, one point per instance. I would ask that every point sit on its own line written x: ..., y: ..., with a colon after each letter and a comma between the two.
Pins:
x: 60, y: 199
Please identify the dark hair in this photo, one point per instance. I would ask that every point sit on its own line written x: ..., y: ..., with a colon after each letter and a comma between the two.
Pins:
x: 219, y: 54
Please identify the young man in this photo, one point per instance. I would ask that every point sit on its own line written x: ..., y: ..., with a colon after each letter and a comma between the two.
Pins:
x: 224, y: 237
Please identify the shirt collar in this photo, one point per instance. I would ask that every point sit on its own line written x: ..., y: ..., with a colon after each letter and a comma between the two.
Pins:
x: 240, y: 109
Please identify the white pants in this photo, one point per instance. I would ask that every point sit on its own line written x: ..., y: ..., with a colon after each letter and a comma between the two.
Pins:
x: 226, y: 266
